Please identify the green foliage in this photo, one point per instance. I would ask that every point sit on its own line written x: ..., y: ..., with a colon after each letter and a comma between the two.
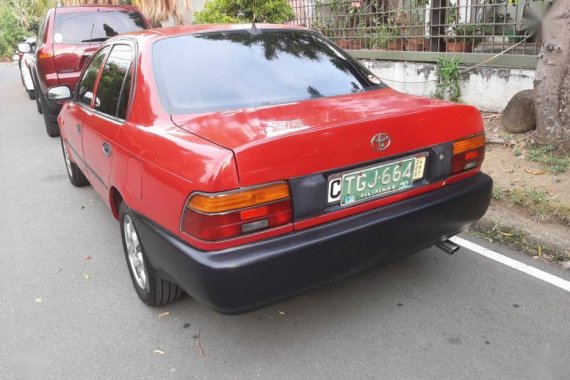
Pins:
x: 10, y: 32
x: 549, y: 159
x: 244, y: 11
x: 468, y: 33
x: 516, y: 239
x: 449, y: 77
x: 537, y: 202
x: 19, y: 19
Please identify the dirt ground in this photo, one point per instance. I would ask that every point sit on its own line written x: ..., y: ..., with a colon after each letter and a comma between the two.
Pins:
x: 507, y: 161
x: 531, y: 223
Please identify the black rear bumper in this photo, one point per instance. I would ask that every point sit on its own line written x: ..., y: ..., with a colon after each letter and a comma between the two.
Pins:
x: 250, y: 276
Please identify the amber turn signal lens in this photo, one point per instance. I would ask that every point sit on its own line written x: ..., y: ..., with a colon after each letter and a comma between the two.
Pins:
x: 468, y: 153
x: 44, y: 55
x: 234, y: 201
x: 466, y: 145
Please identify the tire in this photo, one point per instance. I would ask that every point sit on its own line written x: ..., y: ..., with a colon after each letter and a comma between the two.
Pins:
x: 38, y: 104
x: 76, y: 176
x: 152, y: 289
x: 52, y: 128
x: 31, y: 94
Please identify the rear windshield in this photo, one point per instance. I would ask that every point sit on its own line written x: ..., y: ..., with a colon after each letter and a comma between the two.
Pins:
x: 237, y: 69
x: 94, y: 26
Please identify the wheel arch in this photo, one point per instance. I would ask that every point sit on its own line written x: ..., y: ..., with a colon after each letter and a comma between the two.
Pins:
x: 115, y: 200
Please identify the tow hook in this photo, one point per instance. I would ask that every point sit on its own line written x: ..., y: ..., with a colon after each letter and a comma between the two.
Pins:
x: 447, y: 246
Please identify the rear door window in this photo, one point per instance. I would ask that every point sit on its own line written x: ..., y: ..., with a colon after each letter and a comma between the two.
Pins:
x: 114, y: 85
x: 94, y: 26
x: 87, y: 81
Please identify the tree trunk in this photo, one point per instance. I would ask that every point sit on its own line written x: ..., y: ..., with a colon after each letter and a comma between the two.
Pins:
x: 552, y: 82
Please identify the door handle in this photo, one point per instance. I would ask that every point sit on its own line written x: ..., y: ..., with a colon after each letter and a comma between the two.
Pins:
x: 78, y: 127
x: 107, y: 149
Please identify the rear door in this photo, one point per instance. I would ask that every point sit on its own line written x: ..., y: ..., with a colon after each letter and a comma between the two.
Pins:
x: 76, y: 111
x: 109, y: 113
x: 77, y: 35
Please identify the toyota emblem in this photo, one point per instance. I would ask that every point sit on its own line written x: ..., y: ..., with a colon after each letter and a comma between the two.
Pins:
x: 380, y: 141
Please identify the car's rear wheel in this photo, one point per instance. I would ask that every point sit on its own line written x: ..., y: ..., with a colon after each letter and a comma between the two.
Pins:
x: 38, y: 104
x: 76, y: 176
x: 31, y: 94
x: 150, y: 287
x: 52, y: 128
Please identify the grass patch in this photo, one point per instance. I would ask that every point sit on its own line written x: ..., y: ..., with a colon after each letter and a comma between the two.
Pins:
x: 516, y: 239
x: 548, y: 158
x: 537, y: 202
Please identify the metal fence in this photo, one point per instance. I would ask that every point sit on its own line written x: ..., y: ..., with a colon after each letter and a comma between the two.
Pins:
x: 485, y: 27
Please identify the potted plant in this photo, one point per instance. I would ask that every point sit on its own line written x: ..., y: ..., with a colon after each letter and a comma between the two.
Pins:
x: 462, y: 38
x: 415, y: 30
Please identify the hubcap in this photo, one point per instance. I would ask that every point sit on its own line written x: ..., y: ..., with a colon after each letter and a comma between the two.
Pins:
x: 67, y: 160
x: 134, y: 252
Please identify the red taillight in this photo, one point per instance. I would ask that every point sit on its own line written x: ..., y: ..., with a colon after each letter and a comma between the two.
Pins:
x: 226, y: 215
x: 468, y: 153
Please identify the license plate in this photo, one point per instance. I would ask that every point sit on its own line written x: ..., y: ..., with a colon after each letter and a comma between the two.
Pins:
x: 374, y: 181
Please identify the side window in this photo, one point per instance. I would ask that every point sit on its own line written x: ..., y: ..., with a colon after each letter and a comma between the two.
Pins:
x: 125, y: 95
x: 114, y: 86
x: 87, y: 81
x: 41, y: 31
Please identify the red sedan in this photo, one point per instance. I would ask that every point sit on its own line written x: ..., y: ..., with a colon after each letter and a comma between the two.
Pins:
x: 248, y: 164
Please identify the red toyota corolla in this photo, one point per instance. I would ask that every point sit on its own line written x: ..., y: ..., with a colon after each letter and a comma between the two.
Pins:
x: 246, y: 165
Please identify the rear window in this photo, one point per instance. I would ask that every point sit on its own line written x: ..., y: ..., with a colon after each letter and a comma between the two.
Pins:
x: 217, y: 71
x: 94, y: 26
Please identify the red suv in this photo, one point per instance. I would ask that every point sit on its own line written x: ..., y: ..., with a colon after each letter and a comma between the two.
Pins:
x: 67, y: 37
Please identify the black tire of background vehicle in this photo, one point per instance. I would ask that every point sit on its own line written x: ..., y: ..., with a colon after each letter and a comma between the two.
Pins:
x: 76, y: 176
x: 36, y: 86
x: 38, y: 104
x: 160, y: 291
x: 52, y: 128
x: 31, y: 94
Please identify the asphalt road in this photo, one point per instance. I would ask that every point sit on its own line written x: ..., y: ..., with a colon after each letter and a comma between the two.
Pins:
x: 427, y: 316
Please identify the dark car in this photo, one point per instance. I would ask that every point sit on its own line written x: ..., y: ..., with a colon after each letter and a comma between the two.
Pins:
x: 248, y: 165
x: 67, y: 37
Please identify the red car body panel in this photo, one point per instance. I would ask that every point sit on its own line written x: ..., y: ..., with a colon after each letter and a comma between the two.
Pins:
x: 350, y: 119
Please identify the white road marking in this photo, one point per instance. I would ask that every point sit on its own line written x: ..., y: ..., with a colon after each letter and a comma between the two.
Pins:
x: 530, y: 270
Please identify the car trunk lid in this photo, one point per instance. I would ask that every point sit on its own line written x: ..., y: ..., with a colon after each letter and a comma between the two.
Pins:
x: 322, y: 135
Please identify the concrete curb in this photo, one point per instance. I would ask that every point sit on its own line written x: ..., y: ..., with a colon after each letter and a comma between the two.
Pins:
x: 553, y: 236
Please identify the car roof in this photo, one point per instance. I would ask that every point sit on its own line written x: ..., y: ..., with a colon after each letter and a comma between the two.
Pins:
x: 182, y: 30
x: 94, y: 7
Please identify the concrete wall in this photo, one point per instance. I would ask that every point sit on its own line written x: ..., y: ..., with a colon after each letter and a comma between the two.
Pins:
x: 487, y: 88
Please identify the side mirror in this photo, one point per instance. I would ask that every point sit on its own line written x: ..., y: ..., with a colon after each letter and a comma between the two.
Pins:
x: 24, y: 47
x: 16, y: 57
x: 59, y: 94
x: 31, y: 41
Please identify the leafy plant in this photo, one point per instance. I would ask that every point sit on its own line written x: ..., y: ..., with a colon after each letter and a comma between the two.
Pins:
x: 548, y: 158
x: 449, y: 77
x: 244, y: 11
x: 18, y: 19
x: 468, y: 33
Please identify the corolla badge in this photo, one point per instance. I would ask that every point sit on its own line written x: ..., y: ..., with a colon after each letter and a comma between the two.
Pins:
x: 380, y: 141
x: 281, y: 127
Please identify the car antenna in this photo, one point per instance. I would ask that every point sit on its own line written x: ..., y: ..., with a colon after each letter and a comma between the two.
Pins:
x: 91, y: 36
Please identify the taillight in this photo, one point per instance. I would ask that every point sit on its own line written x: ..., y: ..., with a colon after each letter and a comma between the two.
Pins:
x: 230, y: 214
x: 45, y: 52
x: 468, y: 153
